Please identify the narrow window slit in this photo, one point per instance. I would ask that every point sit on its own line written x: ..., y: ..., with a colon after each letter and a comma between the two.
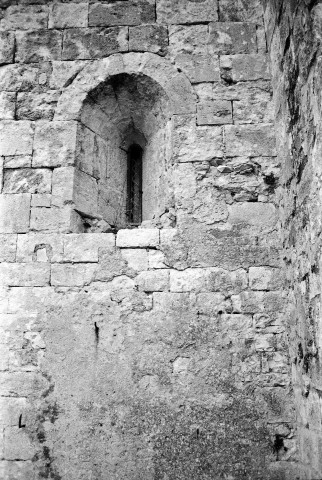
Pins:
x: 134, y: 185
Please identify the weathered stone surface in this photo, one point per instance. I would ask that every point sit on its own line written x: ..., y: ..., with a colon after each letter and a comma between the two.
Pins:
x: 192, y: 143
x: 142, y: 238
x: 55, y: 144
x: 131, y: 12
x: 85, y: 248
x: 7, y: 105
x: 31, y: 180
x: 40, y: 247
x: 138, y: 259
x: 256, y: 302
x: 232, y: 38
x: 7, y: 42
x: 17, y: 444
x: 38, y: 46
x: 241, y: 67
x: 149, y: 38
x: 186, y: 11
x: 16, y: 469
x: 72, y: 275
x: 19, y: 77
x: 14, y: 213
x: 254, y: 140
x: 198, y: 67
x: 80, y: 44
x: 8, y: 245
x: 157, y: 281
x: 25, y: 17
x: 85, y: 193
x: 241, y: 11
x: 41, y: 200
x: 188, y: 39
x: 17, y: 161
x: 64, y: 15
x: 214, y: 113
x: 24, y: 274
x: 64, y: 72
x: 54, y: 219
x: 16, y: 137
x: 33, y: 106
x: 251, y: 213
x: 263, y: 278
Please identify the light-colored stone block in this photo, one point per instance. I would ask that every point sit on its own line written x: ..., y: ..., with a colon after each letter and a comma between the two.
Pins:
x: 8, y: 245
x: 29, y: 246
x: 27, y: 180
x: 85, y: 193
x: 7, y: 105
x: 232, y: 37
x: 137, y: 238
x: 38, y: 46
x: 250, y: 140
x: 17, y: 444
x: 253, y: 213
x: 55, y: 144
x: 214, y: 113
x: 17, y: 161
x: 7, y: 47
x: 156, y: 259
x: 64, y: 15
x: 72, y: 275
x: 16, y: 137
x: 185, y: 11
x: 149, y: 38
x: 54, y: 219
x: 24, y: 274
x: 156, y: 281
x: 199, y: 67
x: 138, y: 259
x: 265, y: 278
x: 244, y: 67
x: 41, y: 200
x: 14, y: 213
x: 25, y: 17
x: 211, y: 303
x: 85, y: 247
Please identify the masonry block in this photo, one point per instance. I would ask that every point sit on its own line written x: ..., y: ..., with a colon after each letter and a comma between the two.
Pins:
x: 40, y: 247
x: 53, y: 219
x: 55, y: 144
x: 137, y: 258
x: 76, y: 275
x: 211, y: 303
x: 14, y: 213
x: 25, y: 17
x: 17, y: 444
x: 214, y: 113
x: 131, y: 12
x: 265, y: 278
x: 7, y: 45
x: 63, y: 186
x: 186, y: 11
x: 36, y: 106
x: 8, y: 245
x: 16, y: 138
x: 68, y: 15
x: 253, y: 140
x: 156, y: 281
x: 41, y: 200
x: 199, y: 67
x: 241, y: 11
x: 85, y: 193
x: 17, y: 161
x: 232, y: 38
x: 257, y: 302
x: 27, y: 180
x: 137, y: 238
x: 253, y: 213
x: 24, y: 274
x: 38, y: 46
x: 86, y: 247
x: 7, y: 105
x: 156, y: 259
x: 82, y: 44
x: 17, y: 470
x: 149, y: 38
x: 188, y: 39
x: 242, y: 67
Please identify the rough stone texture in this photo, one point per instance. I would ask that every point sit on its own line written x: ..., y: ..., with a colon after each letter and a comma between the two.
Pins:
x: 161, y: 350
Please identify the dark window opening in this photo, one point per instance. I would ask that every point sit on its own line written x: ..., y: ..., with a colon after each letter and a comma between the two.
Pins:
x: 134, y: 185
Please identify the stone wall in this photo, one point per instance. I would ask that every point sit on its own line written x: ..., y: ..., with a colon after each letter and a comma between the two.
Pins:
x: 294, y: 33
x: 159, y: 352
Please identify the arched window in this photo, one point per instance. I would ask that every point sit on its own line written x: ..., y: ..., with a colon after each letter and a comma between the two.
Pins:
x: 134, y: 185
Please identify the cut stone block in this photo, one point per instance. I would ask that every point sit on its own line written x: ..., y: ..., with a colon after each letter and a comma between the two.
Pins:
x: 241, y: 11
x: 85, y: 247
x: 16, y: 137
x: 38, y: 46
x: 214, y: 113
x: 50, y: 245
x: 36, y: 106
x: 156, y: 281
x: 55, y: 144
x: 185, y: 11
x: 131, y: 12
x: 250, y: 140
x: 137, y: 259
x: 41, y: 200
x: 137, y: 238
x: 14, y: 213
x: 198, y: 67
x: 34, y: 274
x: 17, y: 444
x: 25, y: 17
x: 80, y: 44
x: 264, y: 278
x: 252, y: 213
x: 17, y: 161
x: 245, y: 67
x: 64, y: 15
x: 149, y: 38
x: 72, y: 275
x: 27, y: 180
x: 232, y: 38
x: 188, y: 39
x: 7, y: 45
x: 85, y: 194
x: 7, y: 105
x: 54, y: 219
x: 8, y: 245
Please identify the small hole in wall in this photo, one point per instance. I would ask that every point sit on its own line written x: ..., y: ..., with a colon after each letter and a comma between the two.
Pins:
x: 279, y: 447
x: 20, y: 424
x: 97, y: 332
